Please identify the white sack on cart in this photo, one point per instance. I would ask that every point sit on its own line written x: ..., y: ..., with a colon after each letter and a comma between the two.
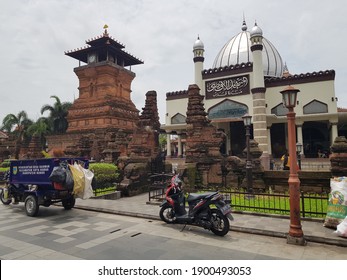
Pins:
x: 337, y: 204
x: 88, y: 177
x: 78, y: 178
x: 341, y: 229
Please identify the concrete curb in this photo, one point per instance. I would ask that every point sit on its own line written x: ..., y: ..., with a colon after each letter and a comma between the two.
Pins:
x: 340, y: 243
x: 118, y: 212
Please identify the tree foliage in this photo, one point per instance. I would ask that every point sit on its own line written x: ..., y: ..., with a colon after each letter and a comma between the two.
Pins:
x: 40, y: 128
x: 22, y: 129
x: 57, y: 114
x: 17, y: 125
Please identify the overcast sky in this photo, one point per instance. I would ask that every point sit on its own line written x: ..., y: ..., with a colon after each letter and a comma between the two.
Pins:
x: 310, y: 35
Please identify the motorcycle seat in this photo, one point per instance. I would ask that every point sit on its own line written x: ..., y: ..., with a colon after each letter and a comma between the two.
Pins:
x: 198, y: 196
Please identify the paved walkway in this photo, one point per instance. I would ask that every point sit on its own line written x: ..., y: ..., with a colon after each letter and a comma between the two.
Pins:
x: 138, y: 206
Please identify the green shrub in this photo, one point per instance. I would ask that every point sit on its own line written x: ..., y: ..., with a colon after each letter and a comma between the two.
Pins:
x: 45, y: 154
x: 5, y: 163
x: 4, y: 169
x: 105, y: 174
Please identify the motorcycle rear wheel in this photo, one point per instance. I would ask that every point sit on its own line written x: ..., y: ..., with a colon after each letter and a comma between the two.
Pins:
x: 167, y: 214
x: 4, y: 200
x: 220, y: 223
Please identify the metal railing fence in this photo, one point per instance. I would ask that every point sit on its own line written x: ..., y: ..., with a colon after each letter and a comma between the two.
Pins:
x: 313, y: 205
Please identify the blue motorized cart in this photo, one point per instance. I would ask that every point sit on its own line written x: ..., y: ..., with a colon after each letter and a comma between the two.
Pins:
x: 29, y: 181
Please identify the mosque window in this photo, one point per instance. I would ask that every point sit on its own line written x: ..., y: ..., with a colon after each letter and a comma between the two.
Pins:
x: 315, y: 107
x: 178, y: 118
x: 279, y: 110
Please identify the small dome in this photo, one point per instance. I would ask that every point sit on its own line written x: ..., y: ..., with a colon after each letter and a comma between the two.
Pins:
x: 238, y: 50
x: 256, y: 31
x: 198, y: 45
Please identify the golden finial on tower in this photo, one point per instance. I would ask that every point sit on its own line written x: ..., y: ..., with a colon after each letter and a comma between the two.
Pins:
x: 105, y: 32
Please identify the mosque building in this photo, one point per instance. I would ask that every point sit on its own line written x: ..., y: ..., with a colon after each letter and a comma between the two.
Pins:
x: 246, y: 77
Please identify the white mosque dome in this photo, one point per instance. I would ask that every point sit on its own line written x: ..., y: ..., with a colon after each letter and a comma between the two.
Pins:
x: 238, y: 50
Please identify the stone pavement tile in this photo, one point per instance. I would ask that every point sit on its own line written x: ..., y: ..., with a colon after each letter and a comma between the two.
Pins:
x: 60, y: 256
x: 14, y: 255
x: 43, y: 253
x: 29, y: 257
x: 256, y: 224
x: 64, y: 239
x: 4, y: 251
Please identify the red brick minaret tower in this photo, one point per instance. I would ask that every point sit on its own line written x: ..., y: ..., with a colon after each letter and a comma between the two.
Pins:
x: 104, y: 86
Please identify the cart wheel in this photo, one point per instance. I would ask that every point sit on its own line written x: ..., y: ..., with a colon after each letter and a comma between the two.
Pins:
x: 69, y: 203
x: 31, y: 205
x: 4, y: 197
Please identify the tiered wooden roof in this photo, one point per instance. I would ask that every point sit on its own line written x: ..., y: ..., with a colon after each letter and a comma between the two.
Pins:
x: 103, y: 45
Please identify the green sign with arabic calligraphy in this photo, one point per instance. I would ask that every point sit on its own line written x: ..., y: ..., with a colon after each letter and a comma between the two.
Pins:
x: 227, y: 87
x: 227, y: 109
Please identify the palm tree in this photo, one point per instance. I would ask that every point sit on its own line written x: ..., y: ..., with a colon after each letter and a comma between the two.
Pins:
x: 40, y: 129
x: 17, y: 125
x: 58, y: 114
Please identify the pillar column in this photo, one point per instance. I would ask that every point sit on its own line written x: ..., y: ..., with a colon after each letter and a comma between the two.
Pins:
x: 168, y: 144
x: 260, y: 131
x: 299, y: 136
x: 334, y: 133
x: 179, y: 143
x: 258, y: 91
x: 228, y: 146
x: 269, y: 144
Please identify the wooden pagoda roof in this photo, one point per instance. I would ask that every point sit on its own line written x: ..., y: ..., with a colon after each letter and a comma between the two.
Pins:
x: 104, y: 44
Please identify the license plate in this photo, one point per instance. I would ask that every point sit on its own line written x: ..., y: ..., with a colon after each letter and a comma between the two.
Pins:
x: 226, y: 209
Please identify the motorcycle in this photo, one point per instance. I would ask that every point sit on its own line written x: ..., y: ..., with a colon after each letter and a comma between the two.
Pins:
x: 13, y: 193
x: 207, y: 210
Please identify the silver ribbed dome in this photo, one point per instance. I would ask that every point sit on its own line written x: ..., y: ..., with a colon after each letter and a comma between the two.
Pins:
x: 198, y: 45
x: 238, y: 50
x: 256, y: 31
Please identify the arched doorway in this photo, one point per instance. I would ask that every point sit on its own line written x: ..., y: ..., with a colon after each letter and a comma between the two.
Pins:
x: 278, y: 139
x: 316, y: 138
x: 228, y: 114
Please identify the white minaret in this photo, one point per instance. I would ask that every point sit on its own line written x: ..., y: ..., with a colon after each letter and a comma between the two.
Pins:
x: 258, y: 92
x: 198, y: 50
